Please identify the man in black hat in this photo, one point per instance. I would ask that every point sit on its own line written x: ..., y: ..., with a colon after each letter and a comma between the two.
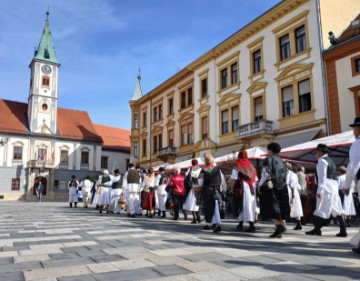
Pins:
x: 273, y: 190
x: 353, y: 168
x: 327, y: 194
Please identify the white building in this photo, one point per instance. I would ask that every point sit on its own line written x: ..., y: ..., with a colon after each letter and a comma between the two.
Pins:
x: 39, y: 141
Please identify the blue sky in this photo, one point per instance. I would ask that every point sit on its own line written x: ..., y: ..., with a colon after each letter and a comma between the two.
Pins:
x: 102, y: 43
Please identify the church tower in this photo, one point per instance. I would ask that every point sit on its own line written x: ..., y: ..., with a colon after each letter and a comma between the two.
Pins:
x: 43, y: 94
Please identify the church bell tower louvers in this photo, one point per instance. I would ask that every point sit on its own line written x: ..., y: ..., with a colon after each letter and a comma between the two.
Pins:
x: 43, y: 94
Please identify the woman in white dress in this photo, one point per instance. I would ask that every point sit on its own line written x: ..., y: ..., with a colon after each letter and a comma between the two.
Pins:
x: 104, y: 184
x: 293, y: 185
x: 73, y: 190
x: 193, y: 182
x: 244, y: 175
x: 347, y: 200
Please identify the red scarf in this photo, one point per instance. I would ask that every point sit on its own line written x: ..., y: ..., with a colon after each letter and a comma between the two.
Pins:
x: 247, y: 171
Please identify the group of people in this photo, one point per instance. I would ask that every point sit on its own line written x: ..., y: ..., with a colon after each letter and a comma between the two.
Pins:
x: 279, y: 189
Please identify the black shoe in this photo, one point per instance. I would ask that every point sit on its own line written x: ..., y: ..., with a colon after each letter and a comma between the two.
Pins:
x: 100, y: 212
x: 159, y: 213
x: 175, y: 218
x: 240, y: 226
x: 251, y: 229
x: 193, y: 221
x: 185, y: 217
x: 280, y: 229
x: 163, y: 214
x: 151, y: 216
x: 341, y: 234
x: 128, y: 215
x: 133, y: 216
x: 356, y: 250
x: 313, y: 232
x: 298, y: 227
x: 206, y: 227
x: 278, y: 236
x: 217, y: 228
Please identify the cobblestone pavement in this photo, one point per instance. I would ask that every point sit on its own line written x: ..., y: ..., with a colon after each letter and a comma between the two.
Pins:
x: 49, y: 241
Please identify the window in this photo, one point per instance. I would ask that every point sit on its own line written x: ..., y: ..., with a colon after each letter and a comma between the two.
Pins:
x: 190, y: 96
x: 357, y: 65
x: 258, y: 104
x: 104, y: 160
x: 144, y: 119
x: 304, y: 96
x: 204, y: 128
x: 257, y: 61
x: 183, y: 99
x: 224, y: 122
x: 160, y: 111
x: 183, y: 135
x: 135, y: 150
x: 84, y: 157
x: 155, y: 114
x: 42, y: 154
x: 171, y: 138
x: 171, y: 106
x: 204, y: 92
x: 190, y: 133
x: 234, y: 73
x: 155, y: 144
x: 224, y: 74
x: 284, y: 47
x: 64, y: 157
x: 300, y: 39
x: 235, y: 118
x: 15, y: 184
x: 288, y: 101
x: 144, y: 148
x: 136, y: 121
x: 46, y: 81
x: 17, y: 153
x: 160, y: 141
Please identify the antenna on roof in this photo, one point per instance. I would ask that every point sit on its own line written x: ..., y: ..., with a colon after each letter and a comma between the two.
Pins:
x: 48, y: 12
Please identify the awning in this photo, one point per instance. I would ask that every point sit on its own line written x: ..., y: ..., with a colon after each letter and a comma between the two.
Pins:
x: 289, y: 140
x: 228, y: 150
x: 184, y: 158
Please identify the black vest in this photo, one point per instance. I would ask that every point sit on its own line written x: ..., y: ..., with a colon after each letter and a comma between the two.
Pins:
x: 331, y: 169
x: 277, y: 170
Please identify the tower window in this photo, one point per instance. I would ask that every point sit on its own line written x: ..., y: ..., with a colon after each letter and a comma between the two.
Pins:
x: 46, y: 54
x: 46, y: 81
x: 44, y: 106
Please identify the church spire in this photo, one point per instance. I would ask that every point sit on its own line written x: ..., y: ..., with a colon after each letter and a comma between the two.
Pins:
x: 138, y: 93
x: 46, y: 50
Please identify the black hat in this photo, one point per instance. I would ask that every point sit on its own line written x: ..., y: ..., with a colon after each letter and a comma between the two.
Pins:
x: 161, y: 169
x: 117, y: 171
x: 356, y: 122
x: 274, y: 147
x: 322, y: 147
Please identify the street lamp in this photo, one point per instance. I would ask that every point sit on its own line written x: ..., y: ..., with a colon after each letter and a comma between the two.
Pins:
x: 3, y: 141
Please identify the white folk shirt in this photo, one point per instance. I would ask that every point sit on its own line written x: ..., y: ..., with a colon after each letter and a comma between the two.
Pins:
x: 324, y: 184
x: 86, y: 185
x: 354, y: 163
x: 292, y: 180
x: 72, y: 189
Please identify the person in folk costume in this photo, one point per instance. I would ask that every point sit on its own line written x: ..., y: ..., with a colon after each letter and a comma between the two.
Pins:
x: 211, y: 193
x: 245, y: 176
x: 161, y: 182
x: 193, y: 182
x: 327, y: 194
x: 116, y: 192
x: 73, y: 190
x: 103, y: 185
x: 86, y: 186
x: 347, y: 200
x: 353, y: 168
x: 131, y: 185
x: 176, y: 182
x: 292, y: 182
x: 149, y: 187
x: 274, y: 190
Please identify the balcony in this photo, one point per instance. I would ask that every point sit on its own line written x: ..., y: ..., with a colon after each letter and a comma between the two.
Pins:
x: 40, y: 164
x: 167, y: 154
x: 255, y: 128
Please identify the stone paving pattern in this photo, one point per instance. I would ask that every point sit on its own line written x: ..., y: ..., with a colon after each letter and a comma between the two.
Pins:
x: 48, y: 241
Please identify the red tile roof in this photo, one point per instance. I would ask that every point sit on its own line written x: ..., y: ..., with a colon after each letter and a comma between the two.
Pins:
x: 114, y: 138
x: 72, y: 124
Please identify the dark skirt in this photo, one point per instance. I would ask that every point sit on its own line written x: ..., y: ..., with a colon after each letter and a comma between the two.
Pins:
x: 209, y: 195
x: 148, y: 202
x: 274, y: 204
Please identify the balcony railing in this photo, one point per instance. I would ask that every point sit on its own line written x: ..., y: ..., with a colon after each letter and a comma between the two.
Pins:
x: 255, y: 128
x: 169, y: 150
x: 41, y: 164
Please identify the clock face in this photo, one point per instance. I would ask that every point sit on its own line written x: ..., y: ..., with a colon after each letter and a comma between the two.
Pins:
x: 46, y: 69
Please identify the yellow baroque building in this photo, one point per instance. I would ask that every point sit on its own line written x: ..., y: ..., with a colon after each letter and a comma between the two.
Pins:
x: 264, y: 83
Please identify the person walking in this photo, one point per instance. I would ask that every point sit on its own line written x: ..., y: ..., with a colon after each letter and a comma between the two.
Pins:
x: 353, y: 168
x: 73, y: 191
x: 178, y: 192
x: 327, y: 194
x: 39, y: 190
x: 243, y: 179
x: 149, y: 188
x: 296, y: 210
x: 131, y: 184
x: 274, y: 188
x: 161, y: 182
x: 86, y: 186
x: 104, y: 184
x: 193, y: 183
x: 116, y: 192
x: 347, y: 199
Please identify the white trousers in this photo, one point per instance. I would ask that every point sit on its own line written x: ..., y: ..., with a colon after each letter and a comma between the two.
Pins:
x: 85, y: 194
x: 216, y: 217
x: 132, y: 202
x: 162, y: 200
x: 115, y: 196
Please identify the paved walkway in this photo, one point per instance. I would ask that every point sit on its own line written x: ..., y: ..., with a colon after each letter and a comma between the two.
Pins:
x: 49, y: 241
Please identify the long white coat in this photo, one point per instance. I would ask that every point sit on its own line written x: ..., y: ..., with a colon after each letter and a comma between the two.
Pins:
x: 292, y: 182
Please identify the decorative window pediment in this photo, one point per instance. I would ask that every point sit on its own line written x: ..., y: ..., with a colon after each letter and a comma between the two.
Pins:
x: 256, y: 86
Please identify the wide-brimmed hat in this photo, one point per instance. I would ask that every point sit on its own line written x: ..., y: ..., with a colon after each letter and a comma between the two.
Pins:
x: 322, y: 147
x: 356, y: 122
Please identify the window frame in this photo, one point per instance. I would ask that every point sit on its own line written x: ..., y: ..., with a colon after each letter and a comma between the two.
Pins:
x: 105, y: 159
x: 84, y: 152
x: 14, y: 153
x: 354, y: 61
